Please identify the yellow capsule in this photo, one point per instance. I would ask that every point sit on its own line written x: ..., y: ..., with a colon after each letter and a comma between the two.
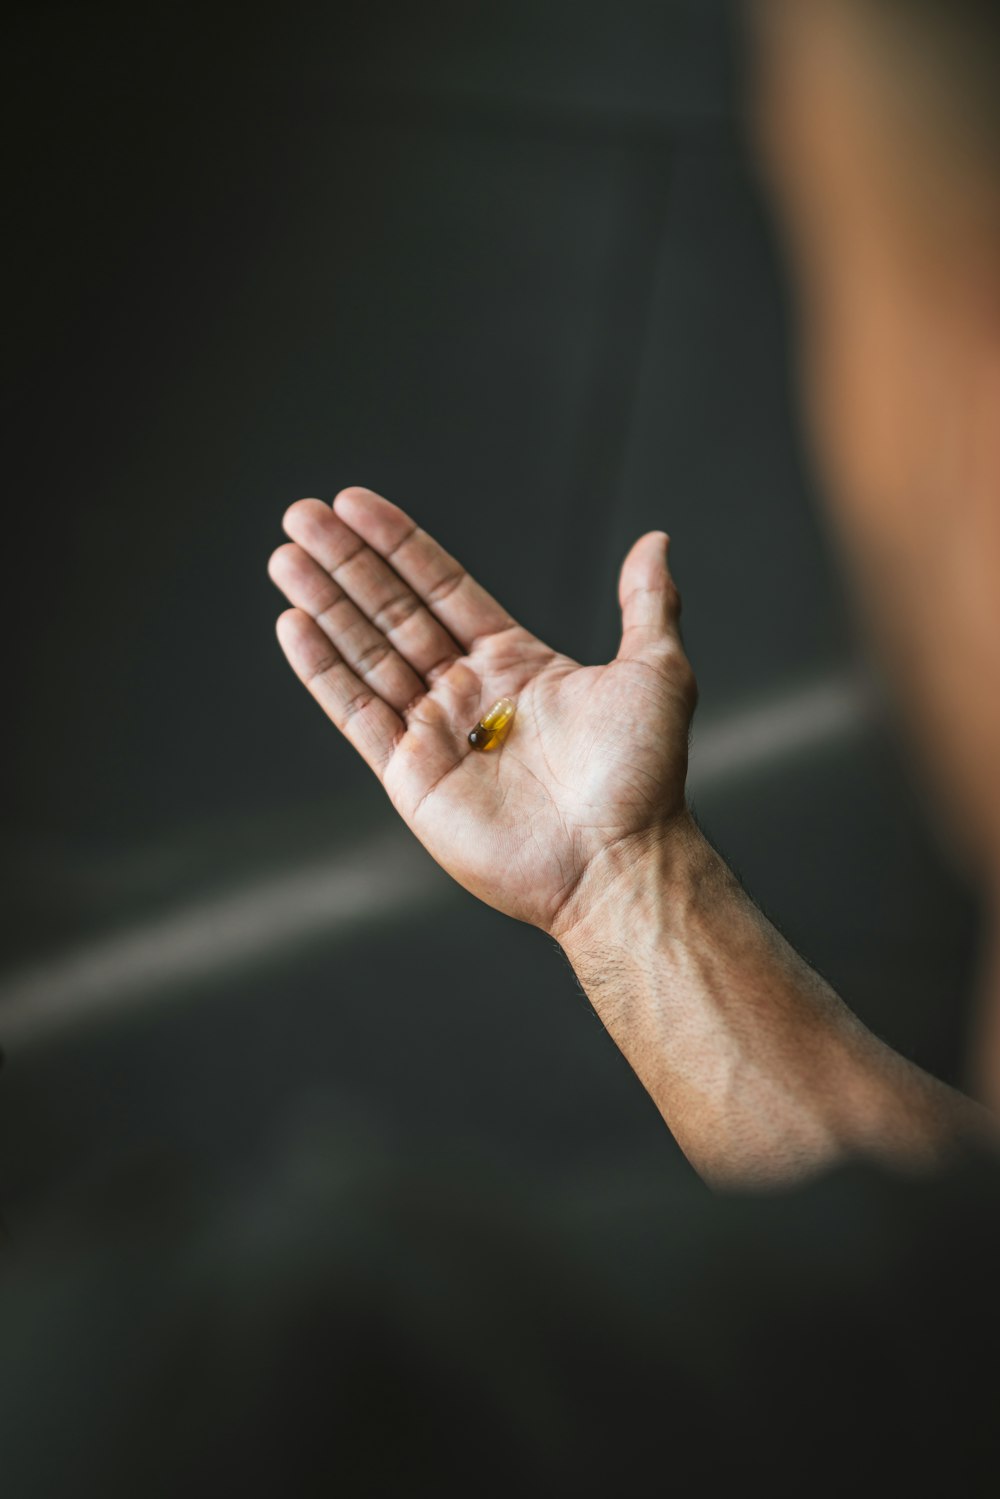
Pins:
x: 494, y: 726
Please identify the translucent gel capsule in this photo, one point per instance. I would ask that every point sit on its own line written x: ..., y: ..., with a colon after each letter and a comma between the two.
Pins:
x: 494, y: 726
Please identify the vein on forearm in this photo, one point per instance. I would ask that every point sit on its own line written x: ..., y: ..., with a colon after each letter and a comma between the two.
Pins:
x: 755, y: 1063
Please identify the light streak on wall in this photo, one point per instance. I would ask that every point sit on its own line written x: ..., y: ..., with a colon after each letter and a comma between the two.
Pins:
x: 369, y: 881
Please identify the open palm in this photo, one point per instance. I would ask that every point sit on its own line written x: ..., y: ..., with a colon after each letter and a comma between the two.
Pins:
x: 404, y: 650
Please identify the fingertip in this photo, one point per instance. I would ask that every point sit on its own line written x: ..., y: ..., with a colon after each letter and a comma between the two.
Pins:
x: 354, y: 498
x: 306, y: 503
x: 650, y: 541
x: 648, y: 550
x: 654, y: 548
x: 280, y: 559
x: 289, y: 624
x: 371, y: 516
x: 300, y: 510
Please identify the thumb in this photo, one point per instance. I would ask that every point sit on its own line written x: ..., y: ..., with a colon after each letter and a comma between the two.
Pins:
x: 649, y: 600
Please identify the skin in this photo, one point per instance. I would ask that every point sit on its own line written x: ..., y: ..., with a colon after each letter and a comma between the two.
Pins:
x: 891, y: 217
x: 579, y: 824
x: 584, y: 771
x: 895, y: 251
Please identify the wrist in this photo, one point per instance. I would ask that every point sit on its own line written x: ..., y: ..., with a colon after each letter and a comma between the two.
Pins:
x: 642, y: 884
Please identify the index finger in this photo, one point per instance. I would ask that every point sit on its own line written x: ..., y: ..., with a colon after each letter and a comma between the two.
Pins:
x: 461, y: 604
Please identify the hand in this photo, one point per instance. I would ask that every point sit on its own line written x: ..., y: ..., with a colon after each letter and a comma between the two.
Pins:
x: 405, y: 651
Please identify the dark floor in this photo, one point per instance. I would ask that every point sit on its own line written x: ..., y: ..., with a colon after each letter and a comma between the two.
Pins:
x: 510, y: 267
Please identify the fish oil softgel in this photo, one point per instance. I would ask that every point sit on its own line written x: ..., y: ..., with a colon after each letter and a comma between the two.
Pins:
x: 494, y: 726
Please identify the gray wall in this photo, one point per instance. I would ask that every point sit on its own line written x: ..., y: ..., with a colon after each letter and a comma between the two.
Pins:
x: 508, y: 265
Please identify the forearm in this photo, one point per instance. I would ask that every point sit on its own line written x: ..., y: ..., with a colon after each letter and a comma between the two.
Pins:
x: 758, y: 1068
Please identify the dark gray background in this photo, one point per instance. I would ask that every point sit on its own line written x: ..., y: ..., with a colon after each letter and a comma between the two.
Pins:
x: 508, y: 265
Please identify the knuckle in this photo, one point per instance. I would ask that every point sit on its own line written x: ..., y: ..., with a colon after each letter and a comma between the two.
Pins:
x: 445, y: 586
x: 356, y: 705
x: 678, y: 669
x: 333, y: 604
x: 323, y: 666
x: 396, y: 612
x: 371, y: 656
x: 687, y: 682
